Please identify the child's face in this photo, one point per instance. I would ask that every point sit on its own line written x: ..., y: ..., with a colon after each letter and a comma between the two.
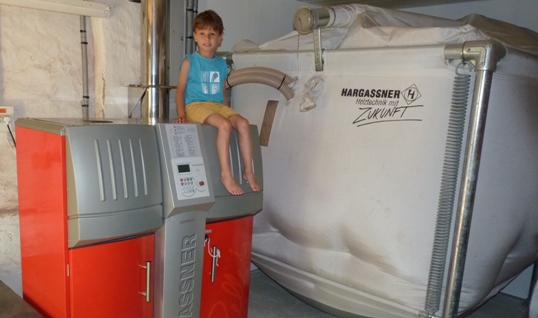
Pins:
x: 208, y: 40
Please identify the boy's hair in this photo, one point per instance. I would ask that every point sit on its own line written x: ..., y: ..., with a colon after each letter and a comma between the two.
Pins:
x: 208, y: 19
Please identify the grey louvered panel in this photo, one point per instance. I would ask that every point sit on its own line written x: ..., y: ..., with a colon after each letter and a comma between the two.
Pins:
x: 123, y: 177
x: 112, y: 168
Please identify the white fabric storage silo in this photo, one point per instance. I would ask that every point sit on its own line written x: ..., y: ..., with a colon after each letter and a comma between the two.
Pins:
x: 352, y: 185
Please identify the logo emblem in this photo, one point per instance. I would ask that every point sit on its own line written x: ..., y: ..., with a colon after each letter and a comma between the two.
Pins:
x: 411, y: 94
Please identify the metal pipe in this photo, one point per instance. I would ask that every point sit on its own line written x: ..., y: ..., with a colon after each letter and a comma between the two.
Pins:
x: 84, y: 50
x: 154, y: 74
x: 467, y: 193
x: 483, y: 55
x: 190, y: 14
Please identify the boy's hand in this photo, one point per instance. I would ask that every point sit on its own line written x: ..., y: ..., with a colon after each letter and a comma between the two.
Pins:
x: 181, y: 120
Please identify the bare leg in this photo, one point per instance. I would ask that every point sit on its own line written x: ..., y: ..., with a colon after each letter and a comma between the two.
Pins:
x: 245, y: 147
x: 224, y: 127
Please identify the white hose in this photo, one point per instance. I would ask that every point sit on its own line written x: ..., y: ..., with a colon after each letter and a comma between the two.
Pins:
x: 262, y: 75
x: 313, y: 89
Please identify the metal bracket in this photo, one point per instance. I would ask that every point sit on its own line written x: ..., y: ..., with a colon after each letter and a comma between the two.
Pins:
x: 318, y: 54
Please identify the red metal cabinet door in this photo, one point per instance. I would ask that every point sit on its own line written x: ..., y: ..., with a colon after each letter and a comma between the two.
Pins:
x: 43, y: 218
x: 109, y: 280
x: 227, y: 296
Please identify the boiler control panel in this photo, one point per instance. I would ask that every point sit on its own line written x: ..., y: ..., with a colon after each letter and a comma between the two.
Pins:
x: 186, y: 157
x: 185, y: 168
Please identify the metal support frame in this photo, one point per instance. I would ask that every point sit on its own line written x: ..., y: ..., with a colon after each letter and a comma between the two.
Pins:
x: 483, y: 56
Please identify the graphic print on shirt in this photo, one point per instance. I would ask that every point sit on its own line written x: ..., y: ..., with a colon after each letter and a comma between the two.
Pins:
x: 210, y: 82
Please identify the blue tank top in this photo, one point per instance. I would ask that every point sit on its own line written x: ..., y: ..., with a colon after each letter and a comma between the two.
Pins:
x: 205, y: 80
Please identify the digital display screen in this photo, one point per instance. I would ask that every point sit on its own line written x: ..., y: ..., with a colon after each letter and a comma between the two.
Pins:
x: 183, y: 168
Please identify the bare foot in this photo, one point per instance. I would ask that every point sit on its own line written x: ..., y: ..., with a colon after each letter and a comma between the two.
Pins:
x: 251, y: 179
x: 230, y: 185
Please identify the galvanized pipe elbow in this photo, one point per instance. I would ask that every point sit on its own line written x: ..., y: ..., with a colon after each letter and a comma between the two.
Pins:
x: 483, y: 54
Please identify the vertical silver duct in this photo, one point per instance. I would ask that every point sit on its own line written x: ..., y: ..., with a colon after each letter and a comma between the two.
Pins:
x: 154, y: 73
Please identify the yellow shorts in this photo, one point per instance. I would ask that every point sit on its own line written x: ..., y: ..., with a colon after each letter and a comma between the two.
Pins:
x: 198, y: 112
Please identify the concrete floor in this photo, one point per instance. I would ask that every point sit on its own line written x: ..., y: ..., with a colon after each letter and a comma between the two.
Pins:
x: 12, y: 305
x: 269, y: 300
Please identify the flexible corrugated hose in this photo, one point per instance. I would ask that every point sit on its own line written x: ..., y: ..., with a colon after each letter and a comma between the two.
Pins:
x: 262, y: 75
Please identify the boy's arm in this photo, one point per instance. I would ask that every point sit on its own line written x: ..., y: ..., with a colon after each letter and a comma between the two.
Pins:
x: 226, y: 100
x: 180, y: 91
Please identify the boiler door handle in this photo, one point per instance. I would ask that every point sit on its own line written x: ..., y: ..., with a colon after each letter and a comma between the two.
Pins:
x: 214, y: 264
x: 147, y: 293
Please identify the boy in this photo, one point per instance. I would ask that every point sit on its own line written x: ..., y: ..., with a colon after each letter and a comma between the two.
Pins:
x: 201, y: 97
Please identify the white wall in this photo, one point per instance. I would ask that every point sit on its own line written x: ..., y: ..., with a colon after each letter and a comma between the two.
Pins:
x: 518, y: 12
x: 40, y: 69
x: 255, y: 20
x: 40, y: 76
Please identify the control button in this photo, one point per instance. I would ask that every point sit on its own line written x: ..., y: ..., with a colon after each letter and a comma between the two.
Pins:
x: 201, y: 183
